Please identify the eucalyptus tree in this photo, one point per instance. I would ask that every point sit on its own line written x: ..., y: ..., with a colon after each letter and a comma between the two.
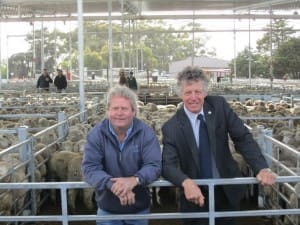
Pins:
x: 287, y: 59
x: 259, y: 64
x: 280, y: 33
x: 54, y: 45
x: 153, y: 43
x: 168, y: 43
x: 260, y: 59
x: 19, y: 65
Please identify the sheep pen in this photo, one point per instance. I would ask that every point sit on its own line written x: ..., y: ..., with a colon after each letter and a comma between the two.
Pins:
x: 48, y: 134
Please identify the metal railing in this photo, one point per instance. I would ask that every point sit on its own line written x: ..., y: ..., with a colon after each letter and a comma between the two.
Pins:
x: 65, y: 218
x: 267, y: 144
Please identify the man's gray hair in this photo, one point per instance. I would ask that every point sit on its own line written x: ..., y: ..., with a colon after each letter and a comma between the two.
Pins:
x: 125, y: 92
x: 192, y: 74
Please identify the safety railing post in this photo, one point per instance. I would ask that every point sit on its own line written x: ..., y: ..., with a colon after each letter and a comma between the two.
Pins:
x: 267, y: 149
x: 291, y: 123
x: 64, y: 205
x: 84, y: 117
x: 32, y: 169
x: 26, y: 153
x: 268, y: 145
x: 261, y: 143
x: 62, y: 129
x: 260, y: 137
x: 211, y: 206
x: 22, y: 132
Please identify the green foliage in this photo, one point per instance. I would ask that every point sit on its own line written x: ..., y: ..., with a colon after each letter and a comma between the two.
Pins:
x: 92, y: 59
x: 285, y: 55
x: 287, y: 59
x: 280, y: 32
x: 259, y: 64
x: 64, y: 65
x: 241, y: 64
x: 19, y: 65
x: 3, y: 71
x: 55, y: 46
x: 153, y: 43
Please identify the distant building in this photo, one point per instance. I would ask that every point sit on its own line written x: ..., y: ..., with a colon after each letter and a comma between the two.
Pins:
x: 214, y: 67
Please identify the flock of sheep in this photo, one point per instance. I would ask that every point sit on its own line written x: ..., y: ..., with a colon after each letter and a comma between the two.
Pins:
x: 59, y: 158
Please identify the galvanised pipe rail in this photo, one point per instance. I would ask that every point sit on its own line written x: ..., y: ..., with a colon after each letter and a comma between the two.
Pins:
x: 65, y: 218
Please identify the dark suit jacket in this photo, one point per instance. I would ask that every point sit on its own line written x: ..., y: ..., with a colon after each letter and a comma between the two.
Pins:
x: 180, y: 151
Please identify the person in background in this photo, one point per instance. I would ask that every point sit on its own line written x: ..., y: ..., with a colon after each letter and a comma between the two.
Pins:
x: 122, y: 78
x: 121, y: 157
x: 195, y: 146
x: 44, y: 81
x: 132, y: 84
x: 93, y: 76
x: 218, y: 78
x: 60, y: 81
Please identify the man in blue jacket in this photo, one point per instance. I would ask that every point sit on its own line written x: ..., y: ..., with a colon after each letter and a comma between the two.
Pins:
x: 121, y: 157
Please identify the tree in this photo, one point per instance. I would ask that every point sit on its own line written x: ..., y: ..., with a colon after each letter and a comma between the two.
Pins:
x: 167, y: 44
x: 287, y: 59
x: 280, y: 32
x: 241, y: 63
x: 19, y: 65
x: 259, y: 64
x: 92, y: 59
x: 55, y: 47
x: 3, y: 70
x: 153, y: 41
x: 260, y: 61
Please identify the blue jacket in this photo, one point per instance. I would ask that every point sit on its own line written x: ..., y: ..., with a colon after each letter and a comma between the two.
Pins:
x: 141, y: 156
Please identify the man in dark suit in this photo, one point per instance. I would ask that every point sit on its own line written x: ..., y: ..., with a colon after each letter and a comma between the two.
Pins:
x: 185, y: 158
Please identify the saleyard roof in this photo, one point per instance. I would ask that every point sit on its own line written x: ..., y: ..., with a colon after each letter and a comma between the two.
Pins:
x: 23, y: 10
x: 204, y: 62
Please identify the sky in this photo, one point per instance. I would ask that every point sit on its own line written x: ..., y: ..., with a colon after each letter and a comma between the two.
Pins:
x: 12, y: 35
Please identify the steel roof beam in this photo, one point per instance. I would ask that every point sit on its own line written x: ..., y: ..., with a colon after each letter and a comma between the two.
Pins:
x: 152, y: 17
x: 267, y: 5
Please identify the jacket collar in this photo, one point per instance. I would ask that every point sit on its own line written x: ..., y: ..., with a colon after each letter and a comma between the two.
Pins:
x: 210, y: 119
x: 188, y: 134
x: 209, y: 114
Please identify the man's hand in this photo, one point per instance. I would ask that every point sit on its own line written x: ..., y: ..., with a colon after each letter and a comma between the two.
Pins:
x: 266, y: 177
x: 128, y: 199
x: 123, y: 185
x: 192, y: 192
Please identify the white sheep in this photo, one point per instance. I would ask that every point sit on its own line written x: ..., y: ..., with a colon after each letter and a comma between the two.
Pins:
x: 74, y: 174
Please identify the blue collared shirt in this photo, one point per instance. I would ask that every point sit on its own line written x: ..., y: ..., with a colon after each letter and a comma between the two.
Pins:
x: 195, y: 125
x: 194, y: 122
x: 128, y: 132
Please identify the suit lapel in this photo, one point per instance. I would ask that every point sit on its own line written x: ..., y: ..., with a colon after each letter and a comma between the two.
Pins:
x: 209, y: 114
x: 187, y: 131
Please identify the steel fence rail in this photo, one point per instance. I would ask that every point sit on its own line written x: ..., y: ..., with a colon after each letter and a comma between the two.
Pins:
x: 212, y: 214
